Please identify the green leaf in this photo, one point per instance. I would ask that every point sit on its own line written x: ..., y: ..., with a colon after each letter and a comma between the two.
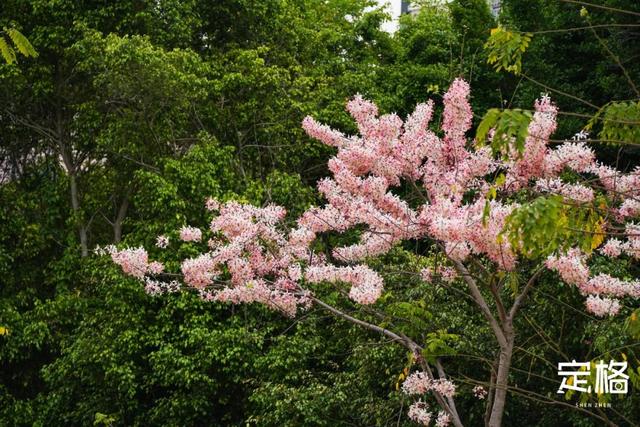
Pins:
x: 505, y: 49
x: 511, y: 128
x: 21, y: 42
x: 547, y: 224
x: 488, y: 121
x: 620, y: 122
x: 7, y: 51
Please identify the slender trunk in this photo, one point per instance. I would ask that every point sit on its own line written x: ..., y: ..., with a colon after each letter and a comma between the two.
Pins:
x: 66, y: 152
x: 75, y: 205
x: 491, y: 391
x: 502, y: 380
x: 117, y: 224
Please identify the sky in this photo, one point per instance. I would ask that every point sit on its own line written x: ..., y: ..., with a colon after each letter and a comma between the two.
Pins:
x: 393, y: 7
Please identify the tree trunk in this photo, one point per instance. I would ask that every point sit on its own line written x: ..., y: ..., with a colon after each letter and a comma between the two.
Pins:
x: 75, y: 205
x: 491, y: 391
x: 502, y: 380
x: 117, y: 224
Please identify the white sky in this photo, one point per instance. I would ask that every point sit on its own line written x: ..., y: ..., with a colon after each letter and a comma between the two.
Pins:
x: 393, y: 7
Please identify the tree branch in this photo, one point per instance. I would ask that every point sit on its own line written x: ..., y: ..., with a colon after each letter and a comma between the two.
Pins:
x: 520, y: 298
x: 480, y: 301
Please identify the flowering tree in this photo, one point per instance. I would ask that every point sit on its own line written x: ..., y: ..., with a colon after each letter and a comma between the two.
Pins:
x: 498, y: 212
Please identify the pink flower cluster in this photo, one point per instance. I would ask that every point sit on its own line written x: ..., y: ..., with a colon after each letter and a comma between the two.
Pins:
x: 162, y: 241
x: 602, y: 306
x: 630, y: 208
x: 366, y: 284
x: 573, y: 192
x: 419, y: 413
x: 480, y: 392
x: 446, y: 274
x: 190, y: 234
x: 199, y: 272
x: 619, y: 186
x: 615, y: 247
x: 531, y: 164
x: 251, y: 260
x: 420, y: 383
x: 155, y: 267
x: 443, y: 419
x: 156, y: 287
x: 572, y: 269
x: 134, y: 261
x: 260, y: 291
x: 572, y: 155
x: 251, y: 253
x: 605, y: 284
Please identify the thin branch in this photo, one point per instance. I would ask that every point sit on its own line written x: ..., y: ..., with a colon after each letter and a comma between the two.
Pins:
x: 520, y: 298
x: 395, y: 337
x: 561, y: 92
x: 480, y: 301
x: 404, y: 340
x: 564, y: 30
x: 599, y: 6
x: 617, y: 61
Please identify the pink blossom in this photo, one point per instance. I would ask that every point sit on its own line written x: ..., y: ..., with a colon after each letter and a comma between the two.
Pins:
x: 573, y: 192
x: 199, y: 272
x: 630, y: 208
x: 133, y: 261
x: 613, y: 248
x: 322, y: 132
x: 419, y: 413
x: 632, y: 247
x: 417, y: 383
x: 617, y: 183
x: 602, y: 306
x: 366, y: 284
x: 156, y: 287
x: 480, y: 392
x: 571, y: 267
x: 212, y: 204
x: 574, y: 155
x: 295, y: 272
x: 155, y: 267
x: 420, y: 383
x: 190, y: 234
x: 152, y: 287
x: 456, y: 117
x: 530, y: 163
x: 162, y: 241
x: 259, y: 291
x: 463, y: 211
x: 606, y: 284
x: 443, y: 419
x: 444, y: 387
